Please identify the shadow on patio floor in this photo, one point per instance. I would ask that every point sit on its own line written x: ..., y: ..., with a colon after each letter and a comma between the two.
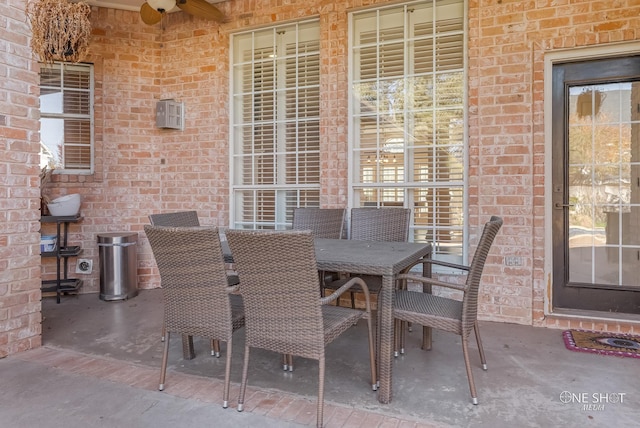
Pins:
x: 529, y: 368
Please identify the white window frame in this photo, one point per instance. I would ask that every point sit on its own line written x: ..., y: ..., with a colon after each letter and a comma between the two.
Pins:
x: 47, y: 149
x: 289, y: 193
x: 354, y: 156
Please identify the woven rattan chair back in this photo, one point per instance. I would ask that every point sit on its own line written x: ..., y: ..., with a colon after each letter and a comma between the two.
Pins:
x: 284, y: 312
x: 195, y: 289
x: 380, y: 224
x: 193, y: 279
x: 279, y: 287
x: 175, y: 219
x: 476, y: 268
x: 322, y: 222
x: 183, y: 219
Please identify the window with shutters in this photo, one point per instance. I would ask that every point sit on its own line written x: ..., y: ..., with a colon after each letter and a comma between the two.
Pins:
x: 275, y: 119
x: 407, y: 113
x: 66, y: 117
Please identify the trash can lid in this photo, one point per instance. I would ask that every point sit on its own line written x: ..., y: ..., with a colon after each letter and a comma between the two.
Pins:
x: 117, y: 237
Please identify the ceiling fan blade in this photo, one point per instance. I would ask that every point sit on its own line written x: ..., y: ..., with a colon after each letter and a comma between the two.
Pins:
x: 149, y: 15
x: 201, y: 8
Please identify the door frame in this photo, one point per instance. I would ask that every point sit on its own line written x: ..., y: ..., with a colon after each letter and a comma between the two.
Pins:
x: 551, y: 58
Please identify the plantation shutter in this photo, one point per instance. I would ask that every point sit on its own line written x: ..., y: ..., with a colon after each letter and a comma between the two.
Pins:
x: 408, y: 116
x: 276, y: 148
x: 66, y: 109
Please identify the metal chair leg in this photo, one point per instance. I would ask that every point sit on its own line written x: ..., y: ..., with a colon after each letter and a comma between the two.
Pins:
x: 243, y: 384
x: 472, y: 385
x: 227, y: 375
x: 215, y: 348
x: 396, y: 337
x: 400, y: 337
x: 165, y: 357
x: 483, y: 359
x: 287, y: 362
x: 320, y: 392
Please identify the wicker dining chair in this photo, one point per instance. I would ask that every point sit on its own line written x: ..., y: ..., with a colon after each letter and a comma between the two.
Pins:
x: 303, y: 323
x: 322, y: 222
x: 189, y: 219
x: 452, y: 315
x: 197, y: 297
x: 175, y: 219
x: 374, y: 224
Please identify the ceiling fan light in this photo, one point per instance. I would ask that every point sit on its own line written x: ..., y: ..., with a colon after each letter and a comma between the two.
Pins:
x: 162, y: 5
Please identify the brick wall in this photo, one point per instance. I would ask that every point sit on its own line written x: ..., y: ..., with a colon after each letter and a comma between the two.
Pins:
x: 127, y: 183
x: 19, y: 186
x: 141, y: 169
x: 507, y: 44
x: 146, y: 169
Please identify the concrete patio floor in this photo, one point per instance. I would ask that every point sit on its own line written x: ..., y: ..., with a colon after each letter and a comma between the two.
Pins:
x: 99, y: 366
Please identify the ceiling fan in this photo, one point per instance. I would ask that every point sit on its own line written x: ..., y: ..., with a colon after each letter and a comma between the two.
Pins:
x: 152, y: 11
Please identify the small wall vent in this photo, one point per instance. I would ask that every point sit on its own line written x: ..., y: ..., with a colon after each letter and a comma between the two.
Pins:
x: 170, y: 114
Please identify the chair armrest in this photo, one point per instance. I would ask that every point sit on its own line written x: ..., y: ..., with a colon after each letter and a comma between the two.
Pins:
x: 425, y: 260
x: 346, y: 286
x: 431, y: 281
x: 446, y: 264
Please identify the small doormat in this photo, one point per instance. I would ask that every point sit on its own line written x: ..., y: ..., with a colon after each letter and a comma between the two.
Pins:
x: 621, y: 345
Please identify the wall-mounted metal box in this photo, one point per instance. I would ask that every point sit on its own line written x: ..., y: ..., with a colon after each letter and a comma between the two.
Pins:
x: 170, y: 114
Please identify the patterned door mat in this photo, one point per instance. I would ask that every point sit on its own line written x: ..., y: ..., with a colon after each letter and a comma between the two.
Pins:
x: 621, y: 345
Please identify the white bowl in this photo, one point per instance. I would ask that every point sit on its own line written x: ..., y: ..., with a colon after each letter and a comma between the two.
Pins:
x: 68, y: 205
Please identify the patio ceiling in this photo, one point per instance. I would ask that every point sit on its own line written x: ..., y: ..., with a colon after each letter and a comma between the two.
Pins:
x: 127, y: 4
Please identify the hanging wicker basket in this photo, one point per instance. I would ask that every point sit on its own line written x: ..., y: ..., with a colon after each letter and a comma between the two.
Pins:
x: 61, y: 30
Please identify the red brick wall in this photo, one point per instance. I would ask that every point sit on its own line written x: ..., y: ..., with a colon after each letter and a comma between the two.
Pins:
x: 19, y: 186
x: 507, y: 44
x: 127, y: 183
x: 141, y: 169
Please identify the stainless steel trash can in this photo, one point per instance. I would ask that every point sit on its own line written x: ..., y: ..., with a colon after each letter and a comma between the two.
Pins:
x: 118, y: 265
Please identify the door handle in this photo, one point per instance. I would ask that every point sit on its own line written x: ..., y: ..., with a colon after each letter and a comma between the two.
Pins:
x: 560, y: 206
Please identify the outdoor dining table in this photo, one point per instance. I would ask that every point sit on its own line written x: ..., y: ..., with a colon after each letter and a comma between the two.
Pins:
x: 385, y: 259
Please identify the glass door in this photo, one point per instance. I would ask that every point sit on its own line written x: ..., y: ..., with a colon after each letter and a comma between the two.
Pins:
x: 596, y: 185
